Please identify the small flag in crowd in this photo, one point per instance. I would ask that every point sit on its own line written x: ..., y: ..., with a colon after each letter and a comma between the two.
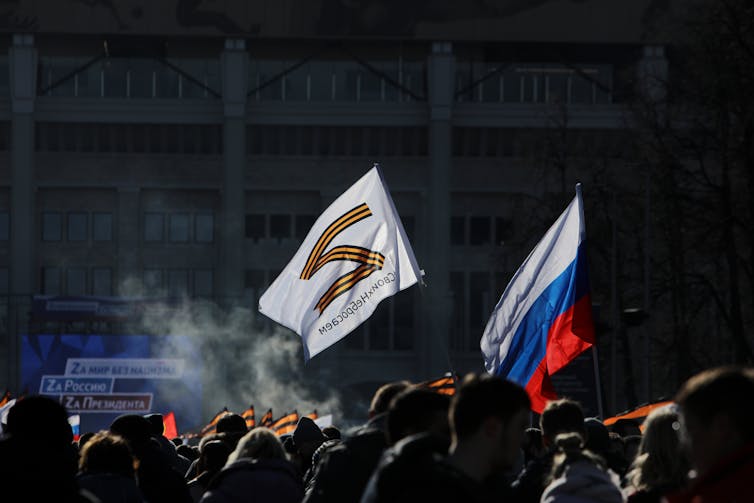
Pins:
x: 445, y: 385
x: 285, y: 424
x: 4, y: 411
x: 75, y: 422
x: 5, y: 399
x: 212, y: 425
x: 544, y: 318
x: 356, y: 255
x: 266, y: 420
x: 168, y: 421
x: 248, y: 416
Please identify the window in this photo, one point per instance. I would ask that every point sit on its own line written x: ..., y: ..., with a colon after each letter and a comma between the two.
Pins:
x: 304, y: 223
x: 479, y: 231
x: 203, y: 286
x: 473, y: 300
x: 75, y: 281
x: 102, y: 226
x: 153, y: 227
x: 391, y: 327
x: 204, y: 227
x: 102, y: 281
x: 4, y: 281
x: 280, y: 226
x: 457, y: 231
x: 4, y: 226
x: 255, y: 227
x: 152, y: 281
x: 503, y: 230
x: 179, y: 228
x: 77, y: 226
x: 253, y: 279
x: 51, y: 226
x: 50, y: 281
x: 458, y: 317
x: 177, y: 282
x: 409, y: 224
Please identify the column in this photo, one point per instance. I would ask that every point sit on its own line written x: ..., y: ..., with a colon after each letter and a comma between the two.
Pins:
x: 436, y: 300
x: 235, y: 63
x: 22, y: 66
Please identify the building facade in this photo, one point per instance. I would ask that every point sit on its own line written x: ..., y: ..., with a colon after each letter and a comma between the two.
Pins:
x: 192, y: 160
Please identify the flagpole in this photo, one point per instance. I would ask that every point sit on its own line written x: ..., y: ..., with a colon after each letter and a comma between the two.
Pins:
x: 595, y: 357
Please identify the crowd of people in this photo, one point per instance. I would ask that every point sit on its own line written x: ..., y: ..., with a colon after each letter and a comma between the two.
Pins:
x: 416, y: 444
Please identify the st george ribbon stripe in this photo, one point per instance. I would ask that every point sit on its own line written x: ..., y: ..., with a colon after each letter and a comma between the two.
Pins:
x: 344, y: 221
x: 352, y: 253
x: 343, y: 284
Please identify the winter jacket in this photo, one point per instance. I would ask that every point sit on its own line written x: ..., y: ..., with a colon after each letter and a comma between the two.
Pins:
x: 344, y: 468
x: 729, y: 481
x: 414, y: 469
x: 256, y: 481
x: 584, y: 482
x: 111, y: 487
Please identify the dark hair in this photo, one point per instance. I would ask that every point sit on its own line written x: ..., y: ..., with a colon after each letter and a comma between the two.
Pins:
x: 415, y: 410
x: 383, y: 396
x: 107, y: 452
x: 626, y: 427
x: 481, y: 396
x: 570, y: 448
x: 231, y: 423
x: 727, y: 390
x: 331, y: 432
x: 562, y: 416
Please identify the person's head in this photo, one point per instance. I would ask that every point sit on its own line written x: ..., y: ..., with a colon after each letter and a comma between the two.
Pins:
x: 213, y: 456
x: 597, y: 436
x: 561, y: 416
x: 231, y: 422
x: 489, y: 414
x: 190, y: 452
x: 307, y: 437
x: 39, y: 416
x: 661, y: 461
x: 107, y: 452
x: 415, y: 410
x: 717, y: 413
x: 384, y: 395
x: 631, y: 447
x: 84, y: 438
x: 533, y: 447
x: 626, y: 427
x: 259, y: 443
x: 597, y: 484
x: 135, y: 429
x: 331, y: 432
x: 157, y: 423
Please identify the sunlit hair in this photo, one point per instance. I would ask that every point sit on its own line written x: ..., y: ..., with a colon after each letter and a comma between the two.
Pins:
x: 570, y: 449
x: 259, y: 443
x: 661, y: 462
x: 106, y: 452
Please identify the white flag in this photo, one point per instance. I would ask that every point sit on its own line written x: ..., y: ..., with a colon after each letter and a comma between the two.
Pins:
x: 356, y: 255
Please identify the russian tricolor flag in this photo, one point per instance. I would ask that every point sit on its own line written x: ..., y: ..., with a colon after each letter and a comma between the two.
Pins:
x: 544, y: 318
x: 75, y: 422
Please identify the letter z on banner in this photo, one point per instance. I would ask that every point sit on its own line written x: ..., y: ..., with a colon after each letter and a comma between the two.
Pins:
x: 356, y: 255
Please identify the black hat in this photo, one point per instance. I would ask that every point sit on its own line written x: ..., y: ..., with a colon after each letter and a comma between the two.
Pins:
x: 230, y: 423
x: 307, y: 431
x: 157, y: 422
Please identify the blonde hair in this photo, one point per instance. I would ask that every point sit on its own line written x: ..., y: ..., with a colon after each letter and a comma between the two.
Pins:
x: 661, y: 461
x: 259, y: 443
